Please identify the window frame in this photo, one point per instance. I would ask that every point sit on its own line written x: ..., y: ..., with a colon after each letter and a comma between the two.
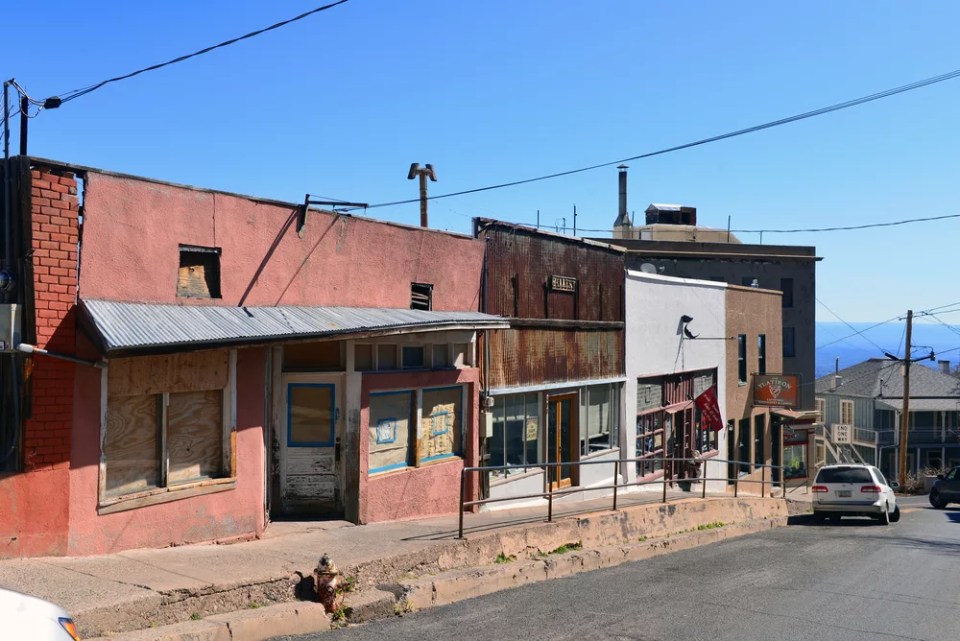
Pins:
x: 414, y: 459
x: 333, y: 414
x: 847, y: 410
x: 761, y: 353
x: 821, y: 407
x: 790, y: 346
x: 209, y: 259
x: 742, y: 359
x: 107, y: 504
x: 786, y: 291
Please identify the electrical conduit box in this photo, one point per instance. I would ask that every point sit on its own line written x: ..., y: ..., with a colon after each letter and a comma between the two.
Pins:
x: 9, y: 327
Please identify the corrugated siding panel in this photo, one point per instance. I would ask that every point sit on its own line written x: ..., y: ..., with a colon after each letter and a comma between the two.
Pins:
x: 520, y: 357
x: 520, y: 264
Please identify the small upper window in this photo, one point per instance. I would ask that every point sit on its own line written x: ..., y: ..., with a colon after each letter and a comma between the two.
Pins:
x: 762, y: 354
x: 421, y: 296
x: 786, y: 286
x: 742, y: 358
x: 199, y: 275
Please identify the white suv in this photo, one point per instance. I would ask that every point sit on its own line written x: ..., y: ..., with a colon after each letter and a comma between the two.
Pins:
x: 853, y: 490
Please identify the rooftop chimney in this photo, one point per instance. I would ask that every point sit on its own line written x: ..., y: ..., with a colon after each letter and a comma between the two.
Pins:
x: 622, y: 218
x: 944, y: 366
x: 837, y: 382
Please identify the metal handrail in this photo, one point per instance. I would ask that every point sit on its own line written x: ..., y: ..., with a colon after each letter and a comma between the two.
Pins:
x: 550, y: 493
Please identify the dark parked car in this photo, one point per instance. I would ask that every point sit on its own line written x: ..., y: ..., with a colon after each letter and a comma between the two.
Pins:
x: 946, y: 489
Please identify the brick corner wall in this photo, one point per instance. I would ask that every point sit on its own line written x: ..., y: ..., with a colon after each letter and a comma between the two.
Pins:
x: 55, y: 235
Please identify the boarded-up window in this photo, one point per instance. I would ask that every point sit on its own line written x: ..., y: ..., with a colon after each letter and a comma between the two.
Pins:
x: 131, y: 444
x: 194, y: 436
x: 441, y: 423
x: 421, y: 296
x: 312, y: 410
x: 390, y: 424
x: 326, y: 356
x: 199, y: 275
x: 363, y: 358
x: 387, y: 357
x: 165, y: 421
x: 441, y: 356
x: 413, y: 356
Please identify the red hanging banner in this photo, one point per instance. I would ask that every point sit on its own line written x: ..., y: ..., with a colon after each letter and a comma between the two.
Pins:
x: 710, y: 409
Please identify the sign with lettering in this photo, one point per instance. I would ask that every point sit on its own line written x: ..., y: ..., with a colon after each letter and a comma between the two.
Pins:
x: 841, y: 433
x: 776, y: 390
x: 563, y: 283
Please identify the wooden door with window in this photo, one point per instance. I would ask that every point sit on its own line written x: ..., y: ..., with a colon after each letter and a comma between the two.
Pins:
x: 563, y: 439
x: 311, y: 478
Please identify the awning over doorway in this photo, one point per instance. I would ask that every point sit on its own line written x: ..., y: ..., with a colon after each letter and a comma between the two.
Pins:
x: 131, y: 328
x: 796, y: 416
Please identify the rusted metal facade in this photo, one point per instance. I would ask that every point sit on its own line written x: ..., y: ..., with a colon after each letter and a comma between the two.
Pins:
x: 564, y: 297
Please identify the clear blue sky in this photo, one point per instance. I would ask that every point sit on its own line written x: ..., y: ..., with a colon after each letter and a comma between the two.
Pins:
x: 342, y: 102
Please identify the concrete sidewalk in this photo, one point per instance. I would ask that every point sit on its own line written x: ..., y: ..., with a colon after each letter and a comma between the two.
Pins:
x: 223, y: 589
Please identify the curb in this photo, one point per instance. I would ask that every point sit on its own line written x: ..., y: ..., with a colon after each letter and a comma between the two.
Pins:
x: 467, y: 583
x: 462, y: 569
x: 244, y: 625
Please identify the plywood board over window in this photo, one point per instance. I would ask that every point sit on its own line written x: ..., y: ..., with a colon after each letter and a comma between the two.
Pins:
x: 168, y: 422
x: 194, y: 440
x: 131, y: 444
x: 391, y: 417
x: 441, y: 423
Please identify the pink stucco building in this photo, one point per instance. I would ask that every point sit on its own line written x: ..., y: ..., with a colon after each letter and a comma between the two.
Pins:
x: 224, y: 365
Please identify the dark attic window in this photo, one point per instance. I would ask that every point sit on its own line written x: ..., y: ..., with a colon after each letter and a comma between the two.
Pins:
x: 199, y: 275
x: 421, y: 296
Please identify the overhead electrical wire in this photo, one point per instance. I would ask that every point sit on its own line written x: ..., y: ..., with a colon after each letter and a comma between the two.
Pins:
x: 76, y: 93
x: 859, y: 333
x: 848, y: 228
x: 732, y: 134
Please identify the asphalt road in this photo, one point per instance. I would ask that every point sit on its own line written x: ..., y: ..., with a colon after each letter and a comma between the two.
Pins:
x: 848, y: 581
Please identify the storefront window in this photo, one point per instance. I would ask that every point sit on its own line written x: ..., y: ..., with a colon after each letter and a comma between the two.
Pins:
x: 516, y: 432
x: 795, y: 454
x: 650, y: 439
x: 603, y: 414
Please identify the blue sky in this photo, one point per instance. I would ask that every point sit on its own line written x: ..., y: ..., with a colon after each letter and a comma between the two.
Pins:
x: 342, y: 102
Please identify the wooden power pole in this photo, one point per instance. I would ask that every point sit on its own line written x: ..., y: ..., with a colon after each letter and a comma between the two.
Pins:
x: 905, y: 415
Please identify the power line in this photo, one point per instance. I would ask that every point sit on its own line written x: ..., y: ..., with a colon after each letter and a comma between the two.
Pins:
x: 851, y: 227
x: 732, y: 134
x: 926, y: 312
x: 860, y: 333
x: 824, y: 229
x: 76, y: 93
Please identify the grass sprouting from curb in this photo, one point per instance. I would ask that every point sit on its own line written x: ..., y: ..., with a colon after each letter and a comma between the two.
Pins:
x: 711, y: 526
x: 505, y: 558
x: 196, y: 616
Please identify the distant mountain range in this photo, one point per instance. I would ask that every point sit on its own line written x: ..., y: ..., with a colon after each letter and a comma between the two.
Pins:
x: 840, y: 341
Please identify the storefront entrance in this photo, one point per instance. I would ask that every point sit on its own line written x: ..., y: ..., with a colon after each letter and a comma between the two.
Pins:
x: 310, y: 478
x: 562, y: 439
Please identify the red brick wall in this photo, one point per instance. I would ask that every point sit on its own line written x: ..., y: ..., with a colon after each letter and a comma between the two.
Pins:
x: 55, y: 233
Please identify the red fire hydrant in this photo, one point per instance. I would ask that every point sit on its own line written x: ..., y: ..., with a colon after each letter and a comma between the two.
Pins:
x: 326, y: 580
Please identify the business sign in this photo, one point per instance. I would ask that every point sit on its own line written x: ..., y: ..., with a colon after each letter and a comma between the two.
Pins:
x: 710, y: 409
x: 776, y: 390
x: 563, y: 283
x: 794, y: 437
x: 841, y: 433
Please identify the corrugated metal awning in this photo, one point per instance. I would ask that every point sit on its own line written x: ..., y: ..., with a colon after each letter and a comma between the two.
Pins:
x: 796, y: 416
x: 125, y: 328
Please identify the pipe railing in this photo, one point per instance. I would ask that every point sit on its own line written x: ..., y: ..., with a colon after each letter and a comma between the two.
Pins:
x: 549, y: 493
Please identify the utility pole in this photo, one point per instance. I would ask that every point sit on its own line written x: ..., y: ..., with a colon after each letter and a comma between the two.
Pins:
x: 905, y: 416
x: 426, y: 172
